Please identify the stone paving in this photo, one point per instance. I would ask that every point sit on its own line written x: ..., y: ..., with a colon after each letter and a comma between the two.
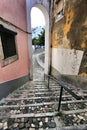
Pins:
x: 34, y: 107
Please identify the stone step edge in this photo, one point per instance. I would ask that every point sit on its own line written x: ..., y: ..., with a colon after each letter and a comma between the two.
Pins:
x: 79, y: 127
x: 74, y: 101
x: 32, y: 115
x: 74, y: 111
x: 42, y: 114
x: 43, y: 86
x: 42, y: 104
x: 36, y: 90
x: 28, y: 105
x: 33, y: 98
x: 37, y: 93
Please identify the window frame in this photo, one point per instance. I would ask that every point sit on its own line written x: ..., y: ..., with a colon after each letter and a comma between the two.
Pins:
x: 59, y: 14
x: 10, y: 59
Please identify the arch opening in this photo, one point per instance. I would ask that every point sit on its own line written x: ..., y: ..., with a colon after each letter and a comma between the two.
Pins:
x: 47, y: 35
x: 46, y: 16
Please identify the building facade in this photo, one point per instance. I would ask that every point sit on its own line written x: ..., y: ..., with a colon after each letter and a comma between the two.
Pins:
x: 14, y: 57
x: 69, y: 41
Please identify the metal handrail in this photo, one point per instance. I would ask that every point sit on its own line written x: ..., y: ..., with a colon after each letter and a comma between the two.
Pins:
x: 63, y: 85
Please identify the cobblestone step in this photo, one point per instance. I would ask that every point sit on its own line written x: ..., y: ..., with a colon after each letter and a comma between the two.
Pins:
x: 34, y: 107
x: 33, y: 98
x: 44, y: 103
x: 74, y: 101
x: 49, y: 114
x: 74, y: 111
x: 36, y: 93
x: 28, y: 105
x: 35, y: 90
x: 80, y: 127
x: 30, y: 123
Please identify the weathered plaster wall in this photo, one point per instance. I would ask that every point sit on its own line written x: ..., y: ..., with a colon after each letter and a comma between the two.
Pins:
x: 70, y: 33
x: 66, y: 61
x: 14, y: 11
x: 78, y: 31
x: 69, y: 43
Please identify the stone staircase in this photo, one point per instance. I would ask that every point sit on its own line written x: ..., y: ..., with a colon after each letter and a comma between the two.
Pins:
x: 34, y: 107
x: 30, y: 107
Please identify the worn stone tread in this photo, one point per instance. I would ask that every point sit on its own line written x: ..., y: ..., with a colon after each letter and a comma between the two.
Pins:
x: 74, y: 101
x: 75, y: 111
x: 28, y: 105
x: 15, y: 99
x: 78, y: 127
x: 34, y: 115
x: 40, y: 90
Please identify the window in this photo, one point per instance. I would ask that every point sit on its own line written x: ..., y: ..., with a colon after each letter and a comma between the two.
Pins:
x: 8, y: 47
x: 59, y: 10
x: 57, y: 1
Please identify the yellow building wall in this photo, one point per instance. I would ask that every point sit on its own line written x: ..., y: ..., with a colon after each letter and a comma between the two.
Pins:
x: 69, y: 33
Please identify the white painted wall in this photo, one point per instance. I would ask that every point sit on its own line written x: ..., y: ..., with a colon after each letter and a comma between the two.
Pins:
x: 66, y: 61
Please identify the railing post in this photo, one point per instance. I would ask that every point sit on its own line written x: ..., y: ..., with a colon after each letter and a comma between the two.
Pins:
x: 60, y: 98
x: 44, y: 77
x: 48, y: 81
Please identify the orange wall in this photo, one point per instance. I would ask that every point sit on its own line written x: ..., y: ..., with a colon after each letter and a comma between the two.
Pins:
x: 14, y: 11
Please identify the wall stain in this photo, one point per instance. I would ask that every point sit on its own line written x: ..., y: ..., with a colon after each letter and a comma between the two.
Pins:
x: 83, y: 74
x: 76, y: 33
x: 69, y: 19
x: 71, y: 31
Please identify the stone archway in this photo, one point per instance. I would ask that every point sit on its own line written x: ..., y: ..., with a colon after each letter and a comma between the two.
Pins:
x: 44, y: 7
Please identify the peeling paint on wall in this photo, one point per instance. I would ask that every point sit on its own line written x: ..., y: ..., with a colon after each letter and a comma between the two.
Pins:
x: 69, y: 19
x: 70, y: 32
x: 78, y: 30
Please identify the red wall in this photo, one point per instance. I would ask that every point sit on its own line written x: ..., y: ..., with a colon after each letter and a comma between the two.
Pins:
x: 14, y: 11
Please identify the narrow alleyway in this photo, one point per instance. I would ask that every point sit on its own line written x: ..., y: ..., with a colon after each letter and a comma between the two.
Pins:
x: 38, y: 72
x: 34, y: 107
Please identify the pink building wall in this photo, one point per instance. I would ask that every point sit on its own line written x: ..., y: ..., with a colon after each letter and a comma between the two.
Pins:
x: 14, y: 11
